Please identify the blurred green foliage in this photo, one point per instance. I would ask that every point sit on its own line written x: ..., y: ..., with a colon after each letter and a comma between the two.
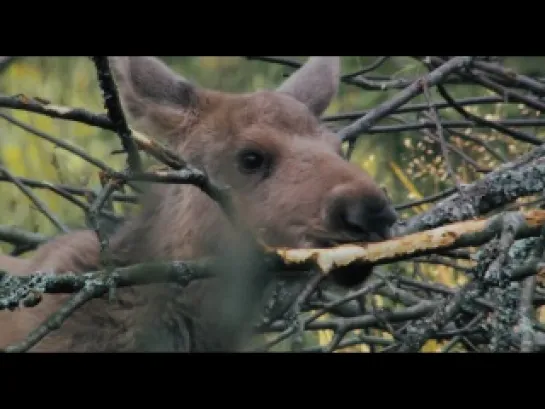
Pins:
x: 407, y: 165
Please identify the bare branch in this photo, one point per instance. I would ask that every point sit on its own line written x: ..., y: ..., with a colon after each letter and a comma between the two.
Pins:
x: 42, y: 207
x: 15, y: 289
x: 462, y: 234
x: 16, y: 236
x: 364, y: 123
x: 25, y: 103
x: 115, y: 111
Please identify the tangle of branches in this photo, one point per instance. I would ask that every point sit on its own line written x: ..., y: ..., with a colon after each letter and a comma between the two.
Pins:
x: 486, y: 229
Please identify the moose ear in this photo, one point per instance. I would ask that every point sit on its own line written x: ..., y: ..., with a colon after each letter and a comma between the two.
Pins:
x: 315, y: 84
x: 152, y: 94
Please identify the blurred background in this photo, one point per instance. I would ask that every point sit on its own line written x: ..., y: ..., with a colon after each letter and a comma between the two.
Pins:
x: 409, y: 164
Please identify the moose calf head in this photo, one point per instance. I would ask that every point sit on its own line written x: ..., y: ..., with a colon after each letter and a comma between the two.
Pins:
x: 287, y: 173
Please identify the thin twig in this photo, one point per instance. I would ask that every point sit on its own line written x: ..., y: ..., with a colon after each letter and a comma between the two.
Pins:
x: 471, y: 101
x: 57, y: 142
x: 68, y: 192
x: 373, y: 66
x: 434, y: 77
x: 42, y: 207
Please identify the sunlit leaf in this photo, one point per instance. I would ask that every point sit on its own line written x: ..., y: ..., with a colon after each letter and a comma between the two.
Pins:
x: 324, y: 336
x: 407, y: 183
x: 431, y: 346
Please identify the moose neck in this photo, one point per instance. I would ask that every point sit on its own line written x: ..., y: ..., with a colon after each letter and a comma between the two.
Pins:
x: 176, y: 223
x: 182, y: 223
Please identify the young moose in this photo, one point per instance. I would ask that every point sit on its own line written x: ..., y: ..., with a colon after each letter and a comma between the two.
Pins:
x: 288, y: 179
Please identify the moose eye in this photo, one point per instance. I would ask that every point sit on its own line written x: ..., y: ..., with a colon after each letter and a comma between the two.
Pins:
x: 251, y: 161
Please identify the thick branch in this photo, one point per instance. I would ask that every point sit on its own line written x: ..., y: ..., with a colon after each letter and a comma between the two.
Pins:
x: 112, y: 103
x: 15, y: 289
x: 496, y: 189
x: 17, y: 236
x: 463, y: 234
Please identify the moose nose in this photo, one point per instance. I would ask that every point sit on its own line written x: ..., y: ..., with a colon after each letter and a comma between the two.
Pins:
x: 374, y: 219
x: 368, y: 217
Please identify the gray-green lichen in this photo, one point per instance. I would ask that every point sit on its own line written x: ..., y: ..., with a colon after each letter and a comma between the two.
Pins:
x: 487, y: 194
x: 504, y: 318
x: 26, y: 289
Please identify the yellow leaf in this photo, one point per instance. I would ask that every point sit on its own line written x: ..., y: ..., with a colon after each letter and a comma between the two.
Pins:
x: 364, y: 159
x: 407, y: 183
x: 445, y: 275
x: 541, y: 314
x: 324, y: 336
x: 431, y: 346
x: 354, y: 348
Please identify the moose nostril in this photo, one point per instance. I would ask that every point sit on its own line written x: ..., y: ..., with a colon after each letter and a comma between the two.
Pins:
x: 352, y: 218
x: 370, y: 218
x: 387, y: 215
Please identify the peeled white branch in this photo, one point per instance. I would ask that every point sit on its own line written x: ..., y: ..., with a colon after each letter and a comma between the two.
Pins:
x: 462, y: 234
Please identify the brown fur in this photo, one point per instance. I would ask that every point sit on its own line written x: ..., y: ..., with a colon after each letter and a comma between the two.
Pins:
x: 12, y: 264
x: 306, y: 195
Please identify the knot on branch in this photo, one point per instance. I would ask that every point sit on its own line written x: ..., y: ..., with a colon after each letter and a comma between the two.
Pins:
x: 25, y: 289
